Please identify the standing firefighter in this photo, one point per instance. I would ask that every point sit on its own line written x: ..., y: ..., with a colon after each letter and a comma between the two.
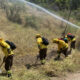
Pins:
x: 62, y: 47
x: 8, y: 58
x: 42, y: 45
x: 72, y: 39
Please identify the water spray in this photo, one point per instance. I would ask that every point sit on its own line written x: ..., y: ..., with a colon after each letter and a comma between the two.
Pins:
x: 52, y: 14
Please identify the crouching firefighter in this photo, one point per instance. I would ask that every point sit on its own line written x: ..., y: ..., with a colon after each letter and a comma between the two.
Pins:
x: 8, y: 52
x: 42, y: 45
x: 62, y: 48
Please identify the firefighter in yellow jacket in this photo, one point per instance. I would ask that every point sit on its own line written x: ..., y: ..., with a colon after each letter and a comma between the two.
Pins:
x: 8, y: 58
x: 72, y: 40
x: 42, y: 48
x: 62, y: 47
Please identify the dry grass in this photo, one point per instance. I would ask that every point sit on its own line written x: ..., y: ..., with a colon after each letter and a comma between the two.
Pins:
x: 24, y: 38
x: 60, y: 68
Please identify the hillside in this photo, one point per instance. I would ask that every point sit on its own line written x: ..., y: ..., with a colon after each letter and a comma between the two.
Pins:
x: 68, y: 9
x: 23, y: 35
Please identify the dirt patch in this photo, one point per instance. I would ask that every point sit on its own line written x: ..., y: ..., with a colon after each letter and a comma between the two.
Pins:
x: 73, y: 76
x: 29, y: 59
x: 69, y: 76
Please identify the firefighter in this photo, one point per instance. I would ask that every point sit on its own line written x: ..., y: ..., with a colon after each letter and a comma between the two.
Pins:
x: 62, y: 47
x: 42, y: 45
x: 8, y: 58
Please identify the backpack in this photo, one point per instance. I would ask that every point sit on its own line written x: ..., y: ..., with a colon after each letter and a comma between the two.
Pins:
x: 71, y: 36
x: 66, y: 40
x: 45, y: 41
x: 12, y: 45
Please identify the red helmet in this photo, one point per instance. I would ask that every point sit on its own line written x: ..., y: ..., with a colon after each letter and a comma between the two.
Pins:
x: 69, y: 34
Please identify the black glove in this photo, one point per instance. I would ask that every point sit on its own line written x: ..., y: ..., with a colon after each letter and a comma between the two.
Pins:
x: 39, y: 46
x: 4, y: 59
x: 9, y: 50
x: 38, y: 57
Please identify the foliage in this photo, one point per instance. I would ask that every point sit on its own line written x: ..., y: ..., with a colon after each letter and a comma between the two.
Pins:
x: 62, y: 4
x: 12, y: 10
x: 31, y: 21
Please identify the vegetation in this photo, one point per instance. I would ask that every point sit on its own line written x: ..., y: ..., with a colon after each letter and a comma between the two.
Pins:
x: 68, y: 9
x: 62, y: 7
x: 12, y: 11
x: 23, y: 35
x: 61, y: 4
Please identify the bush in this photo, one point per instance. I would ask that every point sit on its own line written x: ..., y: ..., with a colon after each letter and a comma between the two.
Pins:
x: 31, y: 21
x: 13, y: 10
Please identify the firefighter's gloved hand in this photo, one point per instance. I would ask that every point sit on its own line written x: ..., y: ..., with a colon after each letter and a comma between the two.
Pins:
x: 4, y: 59
x: 39, y: 46
x: 59, y: 51
x: 38, y: 56
x: 9, y: 50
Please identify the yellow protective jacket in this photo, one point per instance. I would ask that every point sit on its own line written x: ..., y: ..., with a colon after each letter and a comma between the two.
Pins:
x: 40, y: 45
x: 71, y: 40
x: 6, y: 48
x: 61, y: 44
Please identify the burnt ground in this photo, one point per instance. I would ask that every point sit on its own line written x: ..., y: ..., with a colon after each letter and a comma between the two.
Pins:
x: 31, y: 60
